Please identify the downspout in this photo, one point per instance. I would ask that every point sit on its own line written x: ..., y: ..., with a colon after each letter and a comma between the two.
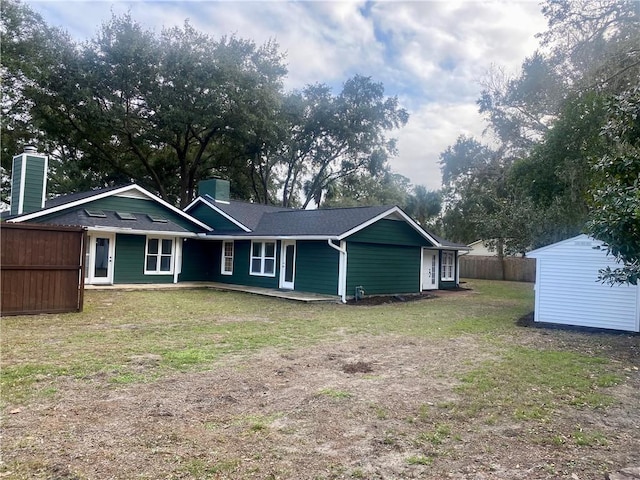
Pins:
x: 177, y: 259
x: 342, y: 269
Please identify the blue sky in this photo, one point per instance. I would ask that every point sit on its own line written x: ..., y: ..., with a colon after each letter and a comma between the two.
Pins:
x: 431, y: 54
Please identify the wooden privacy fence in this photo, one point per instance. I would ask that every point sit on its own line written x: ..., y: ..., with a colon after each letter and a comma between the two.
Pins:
x: 491, y: 268
x: 41, y: 268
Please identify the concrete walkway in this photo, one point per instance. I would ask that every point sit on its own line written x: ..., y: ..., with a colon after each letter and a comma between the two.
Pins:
x: 268, y: 292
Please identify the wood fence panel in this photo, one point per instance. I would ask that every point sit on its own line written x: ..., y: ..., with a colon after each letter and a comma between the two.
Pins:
x: 491, y: 268
x: 41, y: 269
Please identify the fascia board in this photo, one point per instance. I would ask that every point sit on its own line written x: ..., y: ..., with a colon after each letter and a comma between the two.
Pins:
x: 133, y: 231
x: 270, y: 237
x: 221, y: 212
x: 192, y: 204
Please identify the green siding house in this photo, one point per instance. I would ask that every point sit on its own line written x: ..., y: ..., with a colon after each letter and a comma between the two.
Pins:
x: 341, y: 251
x: 136, y: 237
x: 132, y: 235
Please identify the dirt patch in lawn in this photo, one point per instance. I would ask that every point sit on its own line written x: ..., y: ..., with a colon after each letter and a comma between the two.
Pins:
x: 367, y: 407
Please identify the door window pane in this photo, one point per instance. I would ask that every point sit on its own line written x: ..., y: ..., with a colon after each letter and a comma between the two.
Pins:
x: 101, y: 269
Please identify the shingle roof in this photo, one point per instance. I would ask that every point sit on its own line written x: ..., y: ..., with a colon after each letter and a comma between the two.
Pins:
x: 272, y: 221
x: 66, y: 206
x: 73, y: 197
x: 79, y: 217
x: 248, y: 214
x: 330, y: 222
x: 64, y: 199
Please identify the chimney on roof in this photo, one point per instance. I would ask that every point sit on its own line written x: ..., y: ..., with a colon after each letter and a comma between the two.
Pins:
x: 28, y: 181
x: 216, y: 188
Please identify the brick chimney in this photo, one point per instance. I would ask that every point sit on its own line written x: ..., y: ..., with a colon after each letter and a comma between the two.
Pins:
x: 28, y: 181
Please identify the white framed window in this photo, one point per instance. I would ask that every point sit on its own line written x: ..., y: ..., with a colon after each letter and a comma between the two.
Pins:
x: 263, y: 259
x: 159, y: 256
x: 226, y: 267
x: 448, y: 266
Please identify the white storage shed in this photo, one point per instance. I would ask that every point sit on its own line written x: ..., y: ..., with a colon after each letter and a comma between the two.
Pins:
x: 567, y: 290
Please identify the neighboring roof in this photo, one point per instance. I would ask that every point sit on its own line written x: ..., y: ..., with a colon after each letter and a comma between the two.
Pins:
x: 59, y: 204
x: 111, y: 220
x: 447, y: 243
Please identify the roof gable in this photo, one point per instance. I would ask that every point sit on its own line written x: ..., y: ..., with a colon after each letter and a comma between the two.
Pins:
x: 65, y: 205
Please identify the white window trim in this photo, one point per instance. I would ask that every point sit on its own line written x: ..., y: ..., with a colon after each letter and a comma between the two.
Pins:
x: 262, y: 258
x: 159, y: 256
x: 222, y: 264
x: 443, y: 268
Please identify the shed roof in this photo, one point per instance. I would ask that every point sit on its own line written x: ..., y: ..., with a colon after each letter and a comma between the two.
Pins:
x: 571, y: 245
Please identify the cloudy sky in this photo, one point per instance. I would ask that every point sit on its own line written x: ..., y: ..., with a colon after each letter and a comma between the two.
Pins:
x: 431, y: 54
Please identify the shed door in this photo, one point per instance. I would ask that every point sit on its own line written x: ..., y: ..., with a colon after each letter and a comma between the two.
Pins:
x: 430, y: 269
x: 287, y: 264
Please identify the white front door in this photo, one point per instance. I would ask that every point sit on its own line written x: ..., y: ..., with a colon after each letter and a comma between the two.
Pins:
x: 99, y: 253
x: 287, y: 264
x: 429, y: 269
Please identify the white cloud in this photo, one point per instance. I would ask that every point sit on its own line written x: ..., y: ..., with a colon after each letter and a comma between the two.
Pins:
x: 428, y: 133
x: 432, y: 54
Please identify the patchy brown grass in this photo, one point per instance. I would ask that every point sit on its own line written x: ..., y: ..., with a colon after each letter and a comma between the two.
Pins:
x: 203, y: 384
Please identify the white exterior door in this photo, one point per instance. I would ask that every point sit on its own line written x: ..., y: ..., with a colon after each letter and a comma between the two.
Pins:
x: 430, y: 268
x: 287, y: 264
x: 99, y: 256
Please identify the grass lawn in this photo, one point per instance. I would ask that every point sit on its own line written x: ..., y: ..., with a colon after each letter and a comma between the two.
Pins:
x: 208, y: 384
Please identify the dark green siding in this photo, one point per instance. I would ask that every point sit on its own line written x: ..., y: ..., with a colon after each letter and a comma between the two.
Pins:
x: 132, y: 205
x: 390, y: 232
x: 129, y: 261
x: 16, y: 177
x: 317, y: 267
x: 383, y: 269
x: 212, y: 218
x: 198, y: 260
x: 241, y: 261
x: 33, y: 193
x: 33, y: 187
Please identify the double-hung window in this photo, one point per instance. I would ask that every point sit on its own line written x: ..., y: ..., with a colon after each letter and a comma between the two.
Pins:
x: 227, y: 258
x: 263, y: 259
x: 159, y: 256
x: 448, y: 266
